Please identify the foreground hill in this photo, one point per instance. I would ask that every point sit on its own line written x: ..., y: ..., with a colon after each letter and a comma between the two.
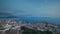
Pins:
x: 32, y: 31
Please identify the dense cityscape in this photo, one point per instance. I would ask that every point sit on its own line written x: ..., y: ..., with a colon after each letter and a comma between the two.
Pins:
x: 29, y: 16
x: 10, y: 26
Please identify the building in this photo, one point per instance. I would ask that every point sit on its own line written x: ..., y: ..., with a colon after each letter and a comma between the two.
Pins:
x: 9, y: 29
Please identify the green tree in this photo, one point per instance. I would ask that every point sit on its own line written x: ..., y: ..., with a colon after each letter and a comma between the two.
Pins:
x: 33, y: 31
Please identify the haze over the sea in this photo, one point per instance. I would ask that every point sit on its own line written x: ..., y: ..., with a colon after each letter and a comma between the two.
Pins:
x: 40, y: 10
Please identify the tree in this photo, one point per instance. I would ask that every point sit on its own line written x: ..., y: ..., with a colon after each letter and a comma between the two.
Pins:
x: 33, y: 31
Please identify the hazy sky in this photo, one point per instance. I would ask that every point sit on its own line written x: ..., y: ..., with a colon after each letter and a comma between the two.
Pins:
x: 35, y: 8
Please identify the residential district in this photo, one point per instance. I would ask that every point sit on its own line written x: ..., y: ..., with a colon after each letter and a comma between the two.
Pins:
x: 10, y: 26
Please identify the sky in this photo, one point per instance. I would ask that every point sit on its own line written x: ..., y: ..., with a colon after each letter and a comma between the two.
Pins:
x: 31, y: 8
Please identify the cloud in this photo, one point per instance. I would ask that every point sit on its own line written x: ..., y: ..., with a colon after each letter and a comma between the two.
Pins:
x: 33, y: 8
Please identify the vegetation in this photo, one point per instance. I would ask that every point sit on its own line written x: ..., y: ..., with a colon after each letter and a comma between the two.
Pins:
x: 32, y: 31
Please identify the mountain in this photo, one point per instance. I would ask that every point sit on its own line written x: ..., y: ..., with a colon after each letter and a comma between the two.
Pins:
x: 41, y: 19
x: 31, y: 19
x: 7, y: 15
